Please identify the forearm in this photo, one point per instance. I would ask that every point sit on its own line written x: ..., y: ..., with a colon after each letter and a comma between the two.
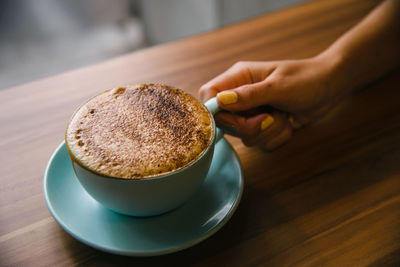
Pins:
x: 368, y: 50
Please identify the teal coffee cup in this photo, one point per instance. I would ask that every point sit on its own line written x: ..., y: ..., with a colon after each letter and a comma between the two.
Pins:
x: 151, y: 195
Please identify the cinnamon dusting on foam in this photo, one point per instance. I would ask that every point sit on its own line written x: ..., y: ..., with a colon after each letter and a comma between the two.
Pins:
x: 139, y: 131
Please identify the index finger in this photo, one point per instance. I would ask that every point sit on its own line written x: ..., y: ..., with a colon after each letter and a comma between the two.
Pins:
x: 233, y: 77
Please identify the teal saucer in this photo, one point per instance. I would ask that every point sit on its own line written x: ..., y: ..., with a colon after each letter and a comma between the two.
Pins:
x: 91, y: 223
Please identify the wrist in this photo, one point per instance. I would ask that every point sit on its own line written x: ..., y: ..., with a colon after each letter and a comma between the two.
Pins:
x: 333, y: 64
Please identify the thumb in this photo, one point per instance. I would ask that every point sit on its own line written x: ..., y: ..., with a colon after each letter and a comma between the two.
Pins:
x: 246, y: 97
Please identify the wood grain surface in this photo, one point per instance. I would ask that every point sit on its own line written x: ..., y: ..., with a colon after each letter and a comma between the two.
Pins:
x: 330, y: 197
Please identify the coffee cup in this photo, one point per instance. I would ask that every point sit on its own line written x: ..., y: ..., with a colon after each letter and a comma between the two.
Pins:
x: 152, y: 195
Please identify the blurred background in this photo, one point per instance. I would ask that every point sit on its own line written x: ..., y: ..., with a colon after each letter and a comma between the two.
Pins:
x: 45, y: 37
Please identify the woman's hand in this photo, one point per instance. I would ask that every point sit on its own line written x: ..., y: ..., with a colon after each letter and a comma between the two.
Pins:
x: 299, y: 92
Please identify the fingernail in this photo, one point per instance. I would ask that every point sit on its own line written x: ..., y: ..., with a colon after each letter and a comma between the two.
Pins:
x: 267, y: 122
x: 227, y: 97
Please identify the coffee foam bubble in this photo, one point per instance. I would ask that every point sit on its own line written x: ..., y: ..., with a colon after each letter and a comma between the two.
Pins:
x: 139, y: 131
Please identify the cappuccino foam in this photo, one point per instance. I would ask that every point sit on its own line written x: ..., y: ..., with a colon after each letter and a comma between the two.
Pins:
x: 139, y: 131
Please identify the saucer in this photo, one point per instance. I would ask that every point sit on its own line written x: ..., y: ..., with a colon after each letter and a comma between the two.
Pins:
x: 93, y: 224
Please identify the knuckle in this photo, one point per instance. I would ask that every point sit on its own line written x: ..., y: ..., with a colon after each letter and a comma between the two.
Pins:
x: 240, y: 64
x: 207, y: 91
x: 248, y: 142
x: 202, y: 94
x: 204, y: 87
x: 202, y: 90
x: 245, y: 92
x: 251, y: 96
x: 250, y: 129
x: 278, y: 141
x: 252, y: 93
x: 275, y: 80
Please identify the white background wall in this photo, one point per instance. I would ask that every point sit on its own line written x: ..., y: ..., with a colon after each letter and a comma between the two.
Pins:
x: 167, y: 20
x: 44, y: 37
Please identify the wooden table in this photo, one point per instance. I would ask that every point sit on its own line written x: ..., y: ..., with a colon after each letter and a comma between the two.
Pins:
x: 331, y: 197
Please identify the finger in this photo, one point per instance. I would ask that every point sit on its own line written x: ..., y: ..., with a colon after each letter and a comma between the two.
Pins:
x: 295, y: 123
x: 268, y: 128
x: 269, y: 131
x: 233, y: 77
x: 280, y: 139
x: 239, y: 74
x: 227, y: 122
x: 246, y: 96
x: 207, y: 92
x: 240, y: 126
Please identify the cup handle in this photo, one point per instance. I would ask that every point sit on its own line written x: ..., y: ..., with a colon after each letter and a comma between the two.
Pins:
x: 214, y: 108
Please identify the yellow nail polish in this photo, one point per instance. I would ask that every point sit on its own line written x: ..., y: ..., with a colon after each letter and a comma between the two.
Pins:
x: 227, y: 97
x: 267, y: 122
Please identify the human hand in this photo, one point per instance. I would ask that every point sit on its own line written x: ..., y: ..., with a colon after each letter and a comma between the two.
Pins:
x: 299, y: 92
